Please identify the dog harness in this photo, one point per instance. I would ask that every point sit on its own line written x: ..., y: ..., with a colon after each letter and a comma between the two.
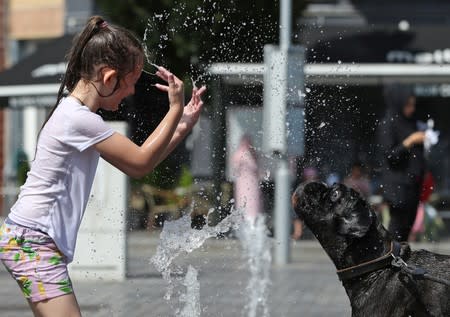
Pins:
x: 392, y: 258
x: 372, y: 265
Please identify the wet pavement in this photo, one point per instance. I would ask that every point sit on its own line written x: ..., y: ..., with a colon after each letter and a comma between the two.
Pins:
x: 307, y: 286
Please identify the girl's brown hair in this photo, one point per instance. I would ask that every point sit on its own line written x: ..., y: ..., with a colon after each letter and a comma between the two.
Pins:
x: 99, y: 43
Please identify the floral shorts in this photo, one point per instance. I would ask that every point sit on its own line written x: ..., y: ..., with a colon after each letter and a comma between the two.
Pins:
x: 34, y: 261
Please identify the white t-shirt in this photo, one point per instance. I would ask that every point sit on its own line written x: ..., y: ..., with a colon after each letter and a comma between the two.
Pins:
x: 54, y: 196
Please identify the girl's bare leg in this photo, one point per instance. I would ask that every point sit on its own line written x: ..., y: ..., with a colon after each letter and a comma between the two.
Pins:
x: 61, y: 306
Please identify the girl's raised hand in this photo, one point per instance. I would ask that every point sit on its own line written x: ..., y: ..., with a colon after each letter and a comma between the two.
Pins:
x: 175, y: 87
x: 192, y: 110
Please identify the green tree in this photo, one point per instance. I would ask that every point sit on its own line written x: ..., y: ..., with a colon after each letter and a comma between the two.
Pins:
x: 191, y: 34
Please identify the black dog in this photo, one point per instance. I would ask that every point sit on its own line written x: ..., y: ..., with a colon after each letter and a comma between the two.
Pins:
x: 381, y: 277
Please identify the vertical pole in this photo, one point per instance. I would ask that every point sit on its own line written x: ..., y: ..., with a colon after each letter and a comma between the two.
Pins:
x: 31, y: 129
x: 285, y: 23
x: 218, y: 123
x: 282, y: 213
x: 282, y: 178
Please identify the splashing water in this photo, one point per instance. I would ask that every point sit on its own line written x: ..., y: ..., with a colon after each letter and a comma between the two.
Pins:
x: 192, y: 297
x: 257, y: 251
x: 217, y: 33
x: 178, y: 237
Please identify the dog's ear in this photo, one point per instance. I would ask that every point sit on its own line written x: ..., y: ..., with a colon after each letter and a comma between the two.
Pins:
x: 355, y: 222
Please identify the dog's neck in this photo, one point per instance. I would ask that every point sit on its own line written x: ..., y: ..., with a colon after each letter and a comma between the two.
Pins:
x: 375, y: 244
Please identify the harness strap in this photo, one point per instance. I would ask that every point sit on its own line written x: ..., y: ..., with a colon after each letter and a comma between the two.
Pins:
x: 392, y: 258
x: 417, y: 273
x: 372, y: 265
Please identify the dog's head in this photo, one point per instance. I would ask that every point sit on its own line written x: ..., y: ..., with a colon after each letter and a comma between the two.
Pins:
x: 337, y: 209
x: 337, y: 215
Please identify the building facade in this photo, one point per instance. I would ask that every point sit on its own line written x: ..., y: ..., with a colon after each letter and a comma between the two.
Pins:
x: 26, y: 26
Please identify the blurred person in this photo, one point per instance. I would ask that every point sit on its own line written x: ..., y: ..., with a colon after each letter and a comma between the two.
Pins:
x: 247, y: 191
x: 418, y: 227
x: 310, y: 174
x: 358, y: 180
x: 427, y: 225
x: 38, y: 238
x: 402, y: 159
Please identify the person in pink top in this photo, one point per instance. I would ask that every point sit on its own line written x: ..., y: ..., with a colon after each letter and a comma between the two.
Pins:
x: 247, y: 192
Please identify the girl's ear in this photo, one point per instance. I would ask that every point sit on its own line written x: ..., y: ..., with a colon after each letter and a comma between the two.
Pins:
x: 109, y: 76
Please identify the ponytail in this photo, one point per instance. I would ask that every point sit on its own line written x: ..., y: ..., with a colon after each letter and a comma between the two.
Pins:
x: 98, y: 43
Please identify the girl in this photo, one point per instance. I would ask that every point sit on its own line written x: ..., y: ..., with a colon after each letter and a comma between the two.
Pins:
x: 37, y: 240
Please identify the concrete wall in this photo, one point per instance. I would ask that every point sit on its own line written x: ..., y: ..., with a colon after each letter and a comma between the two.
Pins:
x: 101, y: 243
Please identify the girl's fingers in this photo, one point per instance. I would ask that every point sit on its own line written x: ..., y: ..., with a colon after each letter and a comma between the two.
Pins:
x: 194, y: 94
x: 163, y: 73
x: 201, y: 90
x: 162, y: 87
x: 163, y: 69
x: 170, y: 79
x: 199, y: 93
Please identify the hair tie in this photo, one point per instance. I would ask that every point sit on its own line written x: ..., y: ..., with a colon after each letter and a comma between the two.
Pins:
x: 103, y: 25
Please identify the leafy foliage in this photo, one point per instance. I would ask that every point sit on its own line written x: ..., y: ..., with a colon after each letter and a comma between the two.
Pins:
x: 186, y: 35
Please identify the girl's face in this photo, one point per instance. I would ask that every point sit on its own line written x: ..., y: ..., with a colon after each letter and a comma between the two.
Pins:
x: 125, y: 89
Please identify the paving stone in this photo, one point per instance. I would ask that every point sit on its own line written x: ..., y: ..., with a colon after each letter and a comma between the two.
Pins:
x: 307, y: 286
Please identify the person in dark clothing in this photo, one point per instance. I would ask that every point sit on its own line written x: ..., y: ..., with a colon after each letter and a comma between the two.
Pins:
x: 403, y: 159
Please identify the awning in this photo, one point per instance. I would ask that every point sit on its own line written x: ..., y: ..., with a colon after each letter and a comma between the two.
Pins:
x: 35, y: 80
x: 339, y: 44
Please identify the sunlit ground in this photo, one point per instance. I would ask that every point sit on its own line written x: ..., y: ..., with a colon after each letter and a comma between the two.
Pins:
x: 307, y: 286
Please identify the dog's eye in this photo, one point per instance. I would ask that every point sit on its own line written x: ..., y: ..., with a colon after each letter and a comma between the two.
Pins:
x: 335, y: 195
